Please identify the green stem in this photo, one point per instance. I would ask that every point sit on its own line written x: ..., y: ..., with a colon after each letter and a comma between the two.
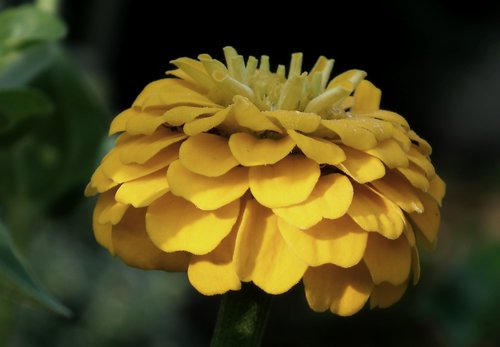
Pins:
x: 242, y: 317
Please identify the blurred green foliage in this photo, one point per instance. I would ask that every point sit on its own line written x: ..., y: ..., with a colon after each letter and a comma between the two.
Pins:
x: 50, y: 128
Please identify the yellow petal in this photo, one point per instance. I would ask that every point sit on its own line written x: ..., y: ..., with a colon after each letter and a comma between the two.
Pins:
x: 388, y: 116
x: 366, y: 98
x: 181, y: 74
x: 409, y: 234
x: 421, y: 161
x: 110, y: 211
x: 386, y: 294
x: 119, y: 123
x: 170, y: 92
x: 140, y: 149
x: 195, y: 70
x: 144, y: 190
x: 215, y: 273
x: 428, y: 221
x: 207, y: 154
x: 182, y: 114
x: 288, y: 182
x: 330, y: 198
x: 341, y: 242
x: 416, y: 176
x: 174, y: 224
x: 397, y: 189
x: 205, y: 124
x: 141, y: 122
x: 320, y: 150
x: 388, y: 260
x: 295, y: 120
x: 207, y: 193
x: 250, y: 117
x: 361, y: 166
x: 351, y: 133
x: 422, y: 145
x: 119, y: 172
x: 252, y: 151
x: 134, y: 247
x: 100, y: 182
x: 391, y: 153
x: 90, y: 190
x: 261, y: 255
x: 102, y: 232
x: 437, y: 189
x: 373, y: 212
x: 342, y: 291
x: 382, y: 130
x: 400, y: 135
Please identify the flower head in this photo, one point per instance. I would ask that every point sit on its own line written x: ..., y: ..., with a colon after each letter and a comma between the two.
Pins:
x: 234, y: 174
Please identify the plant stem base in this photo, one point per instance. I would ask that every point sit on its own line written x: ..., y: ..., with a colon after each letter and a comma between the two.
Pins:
x: 242, y: 317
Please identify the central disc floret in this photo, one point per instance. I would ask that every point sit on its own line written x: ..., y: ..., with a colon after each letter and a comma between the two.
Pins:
x: 270, y: 91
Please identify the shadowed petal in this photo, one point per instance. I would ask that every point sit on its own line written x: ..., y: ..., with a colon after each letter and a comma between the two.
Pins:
x: 437, y: 189
x: 113, y: 168
x: 142, y: 148
x: 249, y: 116
x: 183, y: 114
x: 428, y: 221
x: 207, y: 193
x: 373, y: 212
x: 288, y: 182
x: 397, y: 189
x: 361, y: 166
x: 390, y: 152
x: 174, y: 224
x: 386, y: 294
x: 295, y: 120
x: 330, y: 198
x: 261, y: 254
x: 169, y: 92
x: 207, y: 154
x: 342, y: 291
x: 252, y: 151
x: 388, y: 260
x: 110, y: 210
x: 317, y: 149
x: 102, y: 232
x: 200, y: 125
x: 215, y: 273
x: 133, y: 245
x: 351, y: 133
x: 366, y: 98
x: 341, y: 242
x: 144, y: 190
x: 416, y: 176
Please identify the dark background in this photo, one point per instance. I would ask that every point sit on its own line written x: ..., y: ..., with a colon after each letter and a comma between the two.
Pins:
x: 437, y: 63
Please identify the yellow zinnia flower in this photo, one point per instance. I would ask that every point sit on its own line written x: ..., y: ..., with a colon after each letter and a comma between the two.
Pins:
x: 234, y: 174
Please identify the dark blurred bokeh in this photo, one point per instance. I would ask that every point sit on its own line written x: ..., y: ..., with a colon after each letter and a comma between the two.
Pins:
x: 437, y: 63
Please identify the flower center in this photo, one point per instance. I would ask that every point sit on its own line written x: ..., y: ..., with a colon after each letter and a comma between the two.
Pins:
x: 269, y: 91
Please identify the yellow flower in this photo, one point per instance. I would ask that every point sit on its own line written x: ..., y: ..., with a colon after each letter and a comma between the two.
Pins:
x: 234, y: 174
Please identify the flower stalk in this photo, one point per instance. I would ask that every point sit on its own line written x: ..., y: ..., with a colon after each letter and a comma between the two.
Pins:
x: 242, y: 317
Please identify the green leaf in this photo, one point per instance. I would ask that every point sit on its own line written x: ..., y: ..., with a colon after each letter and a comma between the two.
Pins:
x: 17, y: 281
x: 20, y: 106
x: 19, y: 67
x: 76, y: 129
x: 24, y: 25
x: 27, y: 44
